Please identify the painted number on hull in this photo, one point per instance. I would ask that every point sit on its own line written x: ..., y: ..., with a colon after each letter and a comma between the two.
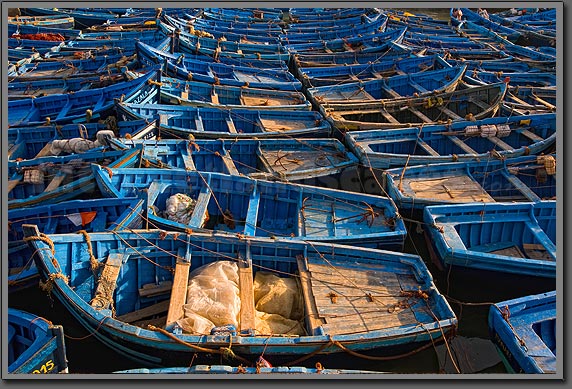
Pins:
x: 45, y: 368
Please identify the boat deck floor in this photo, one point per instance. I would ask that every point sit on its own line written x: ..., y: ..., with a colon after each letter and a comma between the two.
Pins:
x: 359, y: 300
x: 292, y: 160
x: 460, y: 188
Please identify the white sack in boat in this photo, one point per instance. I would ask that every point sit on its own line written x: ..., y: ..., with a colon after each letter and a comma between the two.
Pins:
x: 270, y: 323
x: 179, y: 208
x: 212, y: 295
x: 279, y: 295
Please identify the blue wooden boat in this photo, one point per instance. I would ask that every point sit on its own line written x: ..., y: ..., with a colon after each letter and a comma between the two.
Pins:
x: 17, y: 29
x: 372, y: 25
x: 50, y: 21
x: 313, y: 60
x: 521, y: 99
x: 218, y: 73
x: 90, y: 215
x: 477, y: 102
x: 44, y: 87
x: 39, y: 46
x: 367, y: 318
x: 30, y: 143
x: 366, y: 44
x: 524, y: 332
x: 237, y: 26
x: 517, y: 238
x: 240, y: 205
x: 392, y: 66
x: 516, y: 78
x: 441, y: 42
x: 34, y: 345
x: 460, y: 141
x: 315, y: 25
x: 70, y: 68
x: 245, y: 35
x: 522, y: 179
x: 373, y: 93
x: 533, y: 58
x: 181, y: 121
x: 166, y: 50
x: 35, y: 142
x: 215, y: 48
x: 508, y: 32
x: 311, y: 15
x: 202, y: 94
x: 82, y: 106
x: 275, y: 371
x: 84, y: 19
x: 269, y: 159
x: 65, y: 181
x: 267, y: 15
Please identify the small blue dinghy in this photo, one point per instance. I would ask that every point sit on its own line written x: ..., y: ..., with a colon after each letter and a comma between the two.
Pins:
x: 269, y: 159
x: 35, y: 346
x: 517, y: 238
x: 523, y: 179
x: 180, y: 200
x: 524, y: 331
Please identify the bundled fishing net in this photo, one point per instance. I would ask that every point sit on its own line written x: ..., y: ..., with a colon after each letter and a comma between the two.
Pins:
x: 179, y: 208
x: 80, y: 145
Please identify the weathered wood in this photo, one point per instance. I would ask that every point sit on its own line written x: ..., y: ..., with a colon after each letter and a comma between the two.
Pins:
x: 449, y: 113
x: 230, y: 125
x: 462, y: 145
x: 500, y: 143
x: 200, y: 213
x: 146, y: 312
x: 214, y: 98
x: 420, y: 115
x: 149, y: 290
x: 46, y: 150
x: 388, y: 116
x: 313, y: 319
x: 536, y: 251
x: 246, y: 288
x: 199, y: 124
x: 107, y: 281
x: 13, y: 183
x: 531, y: 135
x: 365, y: 322
x: 56, y: 182
x: 178, y: 291
x: 427, y: 148
x: 272, y: 125
x: 462, y: 188
x: 229, y: 164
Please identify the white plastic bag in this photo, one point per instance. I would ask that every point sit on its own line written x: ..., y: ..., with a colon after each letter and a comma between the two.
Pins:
x: 212, y: 298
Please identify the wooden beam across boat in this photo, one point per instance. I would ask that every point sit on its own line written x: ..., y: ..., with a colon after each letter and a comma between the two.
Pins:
x: 246, y: 290
x: 56, y: 181
x: 107, y: 280
x: 179, y: 290
x: 312, y: 316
